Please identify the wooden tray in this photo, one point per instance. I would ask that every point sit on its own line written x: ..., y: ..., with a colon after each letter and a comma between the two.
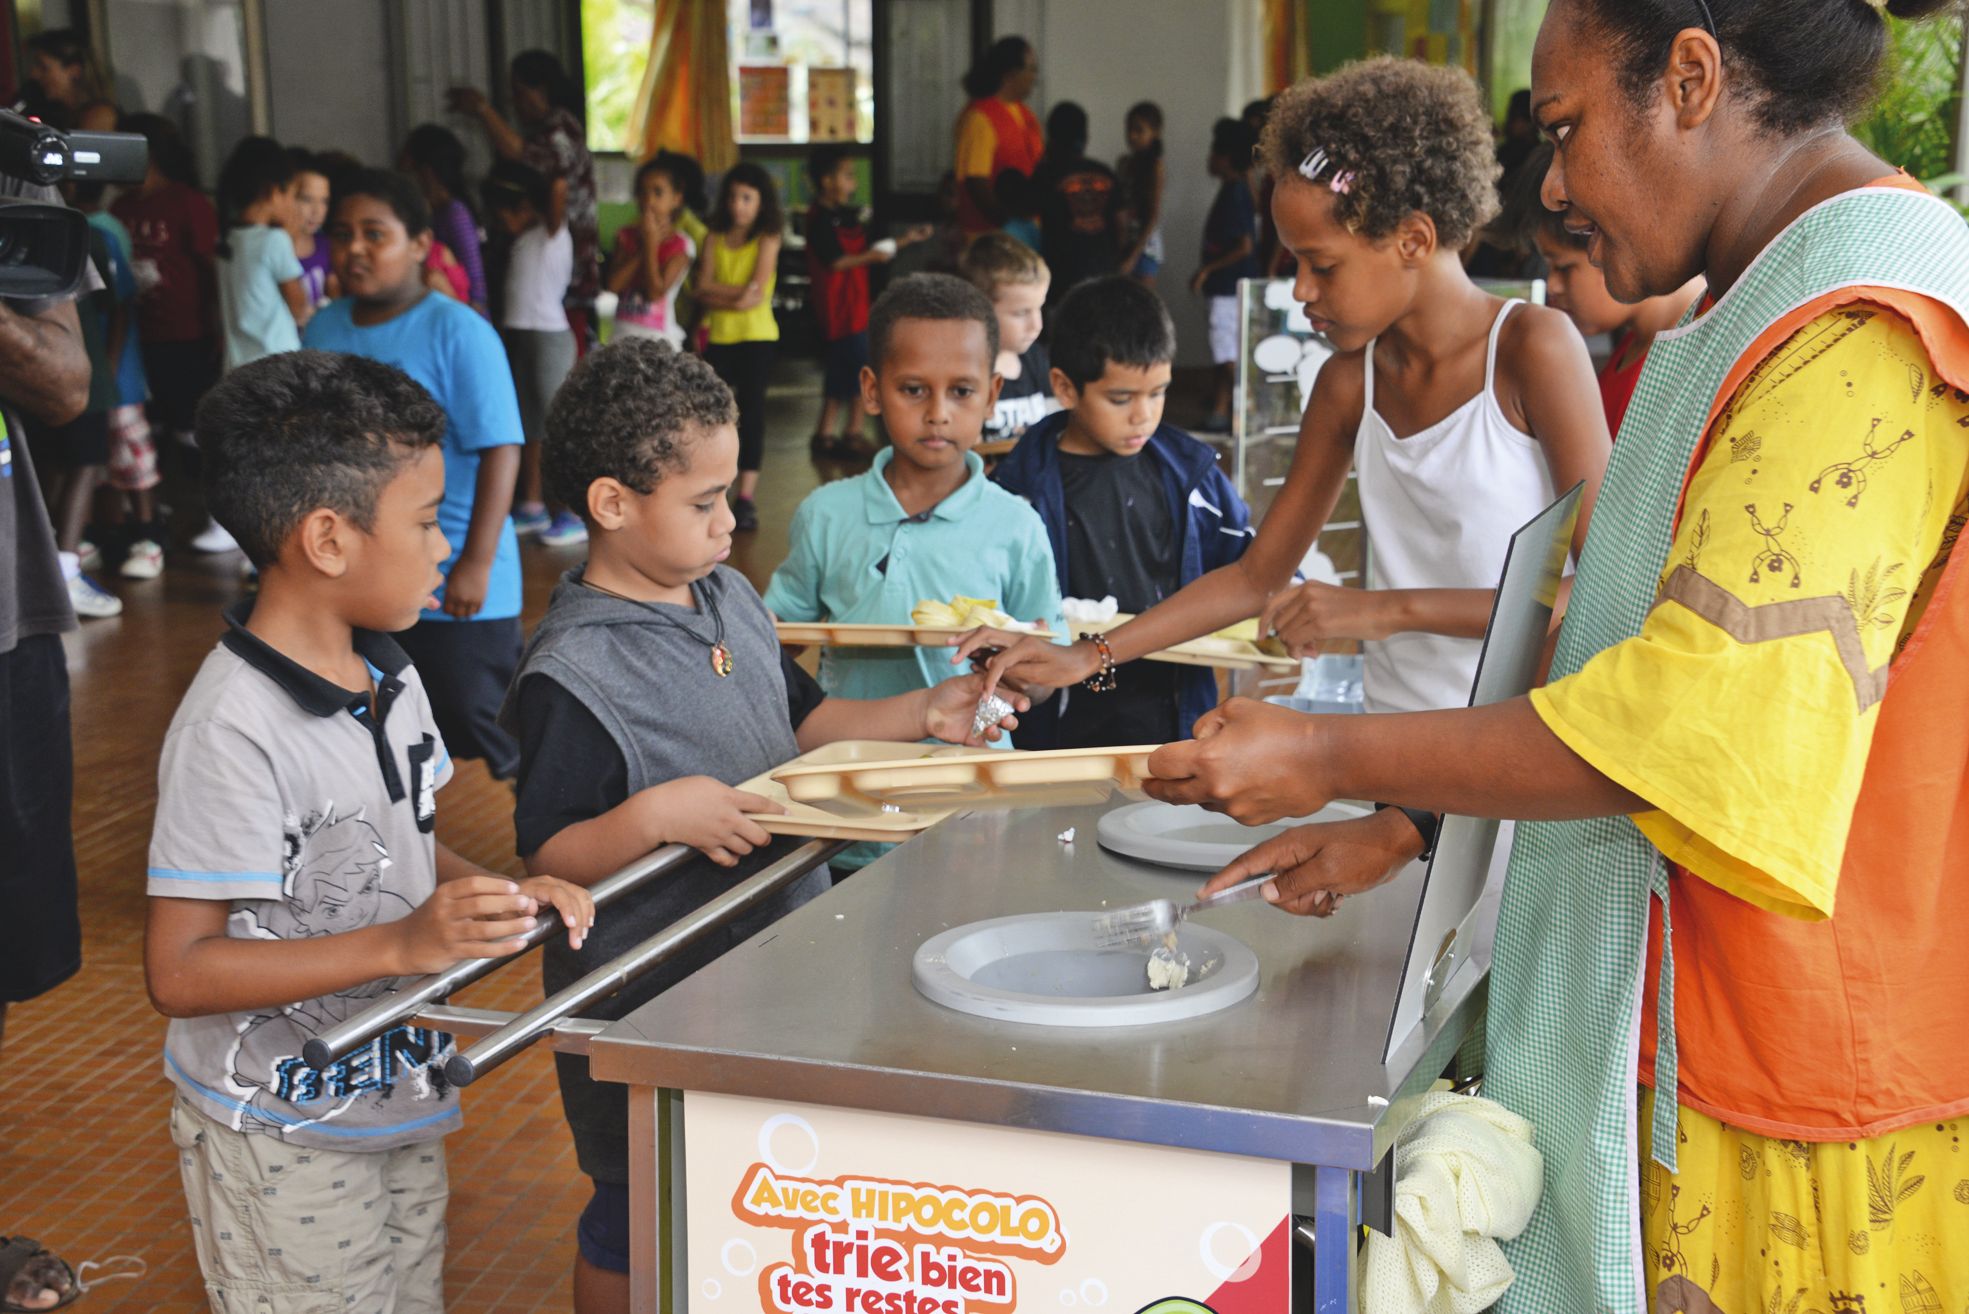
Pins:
x: 907, y: 635
x: 967, y: 778
x: 813, y: 823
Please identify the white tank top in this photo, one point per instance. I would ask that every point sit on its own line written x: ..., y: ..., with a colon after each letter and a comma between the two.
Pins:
x: 1439, y: 508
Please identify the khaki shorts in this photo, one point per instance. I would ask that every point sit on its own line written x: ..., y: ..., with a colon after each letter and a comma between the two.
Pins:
x: 282, y: 1229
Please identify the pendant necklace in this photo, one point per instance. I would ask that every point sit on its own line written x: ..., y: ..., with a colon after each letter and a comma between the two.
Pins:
x: 721, y: 656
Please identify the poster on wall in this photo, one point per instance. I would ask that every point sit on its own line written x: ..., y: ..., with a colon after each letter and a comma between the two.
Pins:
x: 830, y: 104
x: 797, y: 1209
x: 765, y: 100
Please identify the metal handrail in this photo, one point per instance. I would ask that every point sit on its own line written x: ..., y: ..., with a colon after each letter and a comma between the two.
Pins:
x: 409, y: 996
x: 468, y: 1065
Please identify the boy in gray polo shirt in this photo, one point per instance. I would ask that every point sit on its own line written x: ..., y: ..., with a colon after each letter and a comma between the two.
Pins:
x: 292, y: 856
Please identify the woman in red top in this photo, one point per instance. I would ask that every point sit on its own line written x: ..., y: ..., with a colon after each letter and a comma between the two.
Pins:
x: 996, y: 131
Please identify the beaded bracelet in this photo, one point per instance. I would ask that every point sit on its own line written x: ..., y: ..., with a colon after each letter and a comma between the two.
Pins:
x: 1102, y: 681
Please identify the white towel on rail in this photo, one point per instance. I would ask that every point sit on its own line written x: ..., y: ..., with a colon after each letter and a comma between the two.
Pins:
x: 1466, y: 1176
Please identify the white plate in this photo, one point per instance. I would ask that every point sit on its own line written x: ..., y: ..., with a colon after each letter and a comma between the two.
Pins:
x: 1195, y: 839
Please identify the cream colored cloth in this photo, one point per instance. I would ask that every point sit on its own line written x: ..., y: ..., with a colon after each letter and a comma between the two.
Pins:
x: 1466, y: 1176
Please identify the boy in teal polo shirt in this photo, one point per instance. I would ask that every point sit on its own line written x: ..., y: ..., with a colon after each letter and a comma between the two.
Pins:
x: 924, y: 523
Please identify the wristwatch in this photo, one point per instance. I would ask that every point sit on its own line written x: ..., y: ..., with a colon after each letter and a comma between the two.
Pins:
x: 1427, y: 825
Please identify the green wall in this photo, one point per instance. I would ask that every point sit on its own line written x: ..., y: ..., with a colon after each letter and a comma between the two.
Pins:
x: 1336, y: 31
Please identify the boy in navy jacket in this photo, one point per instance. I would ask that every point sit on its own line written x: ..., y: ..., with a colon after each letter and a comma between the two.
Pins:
x: 1135, y: 508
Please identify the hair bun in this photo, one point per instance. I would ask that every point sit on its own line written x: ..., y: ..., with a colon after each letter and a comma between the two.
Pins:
x: 1917, y: 10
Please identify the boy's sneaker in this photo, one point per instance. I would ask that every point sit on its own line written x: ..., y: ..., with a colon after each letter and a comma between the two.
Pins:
x: 565, y: 530
x: 745, y: 516
x: 89, y: 555
x: 146, y: 560
x: 214, y: 538
x: 91, y: 601
x: 531, y: 523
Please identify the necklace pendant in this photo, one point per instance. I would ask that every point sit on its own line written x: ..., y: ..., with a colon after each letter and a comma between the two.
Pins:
x: 721, y: 660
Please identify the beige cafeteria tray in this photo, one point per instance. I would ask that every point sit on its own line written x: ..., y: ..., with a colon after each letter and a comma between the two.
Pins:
x: 968, y: 778
x: 813, y: 823
x: 1223, y: 654
x: 909, y: 635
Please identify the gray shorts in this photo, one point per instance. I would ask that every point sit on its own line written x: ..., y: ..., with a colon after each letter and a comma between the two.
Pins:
x: 282, y: 1229
x: 540, y: 359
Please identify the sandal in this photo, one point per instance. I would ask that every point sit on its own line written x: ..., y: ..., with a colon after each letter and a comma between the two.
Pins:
x: 33, y: 1278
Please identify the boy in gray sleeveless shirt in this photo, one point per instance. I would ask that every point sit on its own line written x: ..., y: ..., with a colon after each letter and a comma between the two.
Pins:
x: 652, y: 687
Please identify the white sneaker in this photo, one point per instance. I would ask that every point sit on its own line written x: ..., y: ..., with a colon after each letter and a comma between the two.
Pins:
x: 214, y: 538
x: 91, y: 601
x: 146, y: 561
x: 88, y: 555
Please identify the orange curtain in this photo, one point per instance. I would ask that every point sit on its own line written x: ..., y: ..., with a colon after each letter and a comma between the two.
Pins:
x: 685, y: 102
x: 1288, y: 54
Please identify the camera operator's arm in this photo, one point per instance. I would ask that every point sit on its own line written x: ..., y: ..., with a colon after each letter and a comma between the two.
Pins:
x: 43, y: 368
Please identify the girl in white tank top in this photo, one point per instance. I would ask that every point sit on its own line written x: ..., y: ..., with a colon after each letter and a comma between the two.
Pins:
x: 1439, y: 508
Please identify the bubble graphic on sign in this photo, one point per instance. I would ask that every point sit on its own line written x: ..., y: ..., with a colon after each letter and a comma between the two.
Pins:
x: 1278, y: 295
x: 1242, y: 1264
x: 738, y: 1252
x: 770, y: 1126
x: 1067, y: 1298
x: 712, y: 1289
x: 1094, y: 1292
x: 1278, y: 354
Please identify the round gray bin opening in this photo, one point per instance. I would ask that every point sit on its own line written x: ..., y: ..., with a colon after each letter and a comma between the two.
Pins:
x: 1043, y: 968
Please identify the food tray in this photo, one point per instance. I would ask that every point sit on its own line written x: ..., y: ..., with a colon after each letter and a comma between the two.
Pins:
x: 812, y: 823
x: 968, y: 778
x: 1221, y: 654
x: 908, y: 635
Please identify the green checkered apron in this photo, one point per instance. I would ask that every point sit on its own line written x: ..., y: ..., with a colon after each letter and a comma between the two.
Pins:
x: 1566, y: 981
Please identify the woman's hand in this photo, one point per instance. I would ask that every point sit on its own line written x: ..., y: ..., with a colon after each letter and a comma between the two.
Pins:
x: 1197, y: 281
x: 466, y: 100
x: 1320, y: 864
x: 1028, y: 660
x: 1254, y: 762
x: 1309, y: 616
x: 952, y: 709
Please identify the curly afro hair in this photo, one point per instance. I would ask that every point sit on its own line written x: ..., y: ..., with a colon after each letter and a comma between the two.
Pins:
x: 1415, y: 138
x: 629, y: 412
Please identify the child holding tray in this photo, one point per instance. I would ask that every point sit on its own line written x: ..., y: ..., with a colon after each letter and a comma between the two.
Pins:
x: 643, y: 443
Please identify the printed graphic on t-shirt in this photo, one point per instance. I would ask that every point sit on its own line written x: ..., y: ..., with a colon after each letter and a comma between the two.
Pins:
x: 1014, y: 415
x: 333, y: 869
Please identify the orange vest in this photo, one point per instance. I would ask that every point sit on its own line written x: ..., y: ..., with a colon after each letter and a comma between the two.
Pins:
x: 1016, y: 130
x: 1851, y: 1027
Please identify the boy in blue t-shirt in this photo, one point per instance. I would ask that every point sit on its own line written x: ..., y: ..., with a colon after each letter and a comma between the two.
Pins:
x: 467, y: 644
x: 294, y: 872
x: 924, y: 524
x: 1230, y: 253
x: 1135, y: 508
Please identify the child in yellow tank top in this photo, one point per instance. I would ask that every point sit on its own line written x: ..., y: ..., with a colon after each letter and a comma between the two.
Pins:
x: 736, y: 270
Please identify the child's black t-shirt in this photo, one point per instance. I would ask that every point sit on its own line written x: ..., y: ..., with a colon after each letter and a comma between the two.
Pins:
x: 1024, y: 401
x: 1122, y: 539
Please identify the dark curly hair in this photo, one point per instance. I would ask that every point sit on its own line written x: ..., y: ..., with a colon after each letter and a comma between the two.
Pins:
x: 929, y: 296
x: 770, y: 219
x: 1415, y: 138
x: 628, y: 412
x: 1808, y: 62
x: 291, y: 433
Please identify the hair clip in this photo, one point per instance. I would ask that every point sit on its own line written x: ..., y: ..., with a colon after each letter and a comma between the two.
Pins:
x: 1343, y: 183
x: 1315, y: 161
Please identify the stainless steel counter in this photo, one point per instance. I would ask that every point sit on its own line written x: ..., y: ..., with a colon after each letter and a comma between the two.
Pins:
x: 821, y: 1009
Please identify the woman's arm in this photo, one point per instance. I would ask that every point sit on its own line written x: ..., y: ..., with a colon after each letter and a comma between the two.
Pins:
x: 710, y: 293
x: 659, y: 276
x: 556, y: 215
x: 1230, y: 593
x: 1245, y: 246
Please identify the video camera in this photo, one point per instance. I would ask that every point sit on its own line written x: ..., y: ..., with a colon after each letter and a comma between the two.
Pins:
x: 44, y: 249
